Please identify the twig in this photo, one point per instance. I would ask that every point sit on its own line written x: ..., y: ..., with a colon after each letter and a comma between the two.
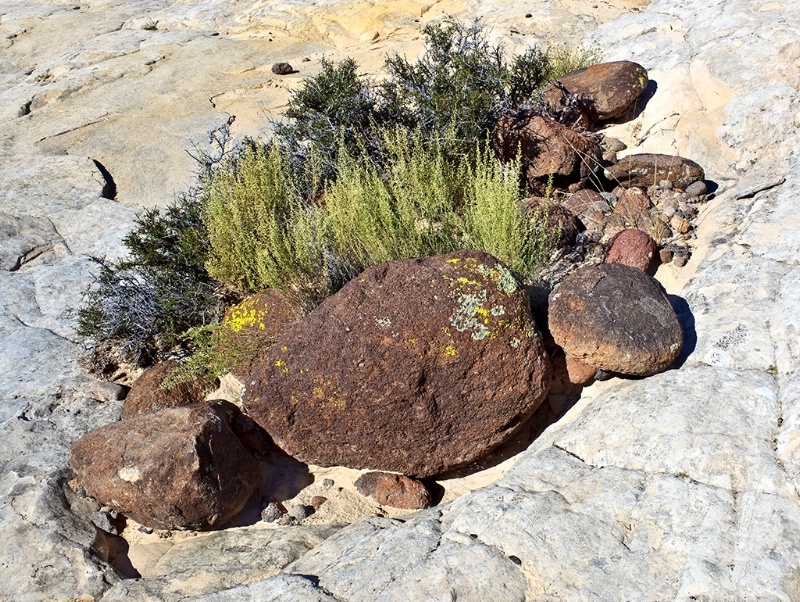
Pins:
x: 751, y: 192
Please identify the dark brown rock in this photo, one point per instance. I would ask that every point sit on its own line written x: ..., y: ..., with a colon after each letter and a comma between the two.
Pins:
x: 616, y: 318
x: 282, y: 69
x: 251, y: 327
x: 547, y: 148
x: 633, y: 208
x: 394, y: 490
x: 146, y: 395
x: 609, y: 88
x: 634, y: 248
x: 178, y: 468
x: 648, y: 169
x: 556, y: 218
x: 415, y: 366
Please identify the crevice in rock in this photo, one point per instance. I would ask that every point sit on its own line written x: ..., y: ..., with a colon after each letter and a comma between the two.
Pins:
x: 574, y: 455
x: 110, y: 187
x: 29, y: 256
x: 25, y: 109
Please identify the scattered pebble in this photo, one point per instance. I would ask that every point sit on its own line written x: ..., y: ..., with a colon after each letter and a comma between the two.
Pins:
x: 285, y: 520
x: 696, y: 189
x: 146, y: 530
x: 327, y: 483
x: 300, y: 512
x: 317, y: 501
x: 528, y: 16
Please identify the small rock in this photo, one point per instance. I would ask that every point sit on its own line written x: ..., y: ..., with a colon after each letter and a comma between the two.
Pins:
x: 317, y: 501
x: 327, y: 483
x: 680, y: 260
x: 679, y: 224
x: 665, y: 185
x: 634, y: 248
x: 696, y: 189
x: 394, y: 490
x: 579, y: 373
x: 272, y: 512
x: 145, y: 529
x: 633, y: 206
x: 643, y: 170
x: 111, y: 391
x: 665, y: 255
x: 300, y: 512
x: 285, y: 520
x: 306, y: 59
x: 108, y: 523
x: 282, y: 69
x: 613, y: 145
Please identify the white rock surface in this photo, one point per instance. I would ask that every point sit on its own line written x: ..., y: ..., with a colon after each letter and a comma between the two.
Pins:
x: 681, y: 486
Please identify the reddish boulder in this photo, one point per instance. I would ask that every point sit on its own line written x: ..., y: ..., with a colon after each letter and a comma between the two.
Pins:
x: 616, y: 318
x: 633, y: 247
x: 610, y: 89
x: 548, y: 149
x: 394, y: 490
x: 147, y: 396
x: 650, y: 169
x: 180, y: 468
x: 415, y: 366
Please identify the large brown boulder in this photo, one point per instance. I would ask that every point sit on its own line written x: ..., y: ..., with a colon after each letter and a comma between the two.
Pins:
x: 148, y: 395
x: 609, y: 89
x: 616, y: 318
x: 649, y: 169
x: 415, y: 367
x: 547, y: 149
x: 179, y: 468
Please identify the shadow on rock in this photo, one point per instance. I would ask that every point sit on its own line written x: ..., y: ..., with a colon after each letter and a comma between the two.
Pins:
x: 686, y: 319
x: 280, y: 478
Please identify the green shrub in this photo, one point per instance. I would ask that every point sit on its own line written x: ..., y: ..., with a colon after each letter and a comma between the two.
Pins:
x: 138, y: 307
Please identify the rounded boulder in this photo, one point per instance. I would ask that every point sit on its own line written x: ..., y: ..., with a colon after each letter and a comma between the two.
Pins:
x: 616, y: 318
x: 416, y: 367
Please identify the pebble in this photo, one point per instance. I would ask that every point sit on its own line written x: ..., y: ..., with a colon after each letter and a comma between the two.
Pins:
x: 665, y: 255
x: 680, y: 260
x: 665, y: 184
x: 696, y: 188
x: 327, y: 483
x: 679, y: 224
x: 317, y: 501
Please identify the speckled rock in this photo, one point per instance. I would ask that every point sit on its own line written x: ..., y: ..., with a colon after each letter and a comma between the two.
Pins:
x: 616, y: 318
x: 177, y: 468
x: 633, y: 208
x: 367, y: 380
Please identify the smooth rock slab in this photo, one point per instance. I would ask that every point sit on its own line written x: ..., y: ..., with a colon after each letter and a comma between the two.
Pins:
x: 178, y: 468
x: 616, y: 318
x: 415, y: 367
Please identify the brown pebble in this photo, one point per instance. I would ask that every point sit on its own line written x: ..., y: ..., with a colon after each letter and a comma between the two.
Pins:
x: 665, y: 255
x: 680, y: 260
x: 317, y: 501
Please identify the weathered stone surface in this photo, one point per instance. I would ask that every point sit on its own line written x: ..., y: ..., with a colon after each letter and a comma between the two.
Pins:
x: 547, y: 149
x: 209, y: 562
x: 585, y: 200
x: 369, y: 381
x: 647, y: 169
x: 615, y: 318
x: 178, y: 468
x: 633, y: 208
x: 146, y: 395
x: 633, y: 247
x: 610, y: 89
x: 395, y: 490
